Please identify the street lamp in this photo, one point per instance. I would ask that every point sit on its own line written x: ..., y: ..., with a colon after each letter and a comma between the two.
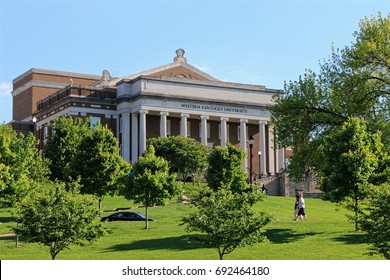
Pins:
x: 259, y: 153
x: 251, y: 142
x: 34, y: 120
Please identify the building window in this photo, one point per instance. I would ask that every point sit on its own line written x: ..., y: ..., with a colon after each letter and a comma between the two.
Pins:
x: 94, y: 121
x: 45, y: 133
x: 169, y: 127
x: 188, y: 128
x: 208, y: 130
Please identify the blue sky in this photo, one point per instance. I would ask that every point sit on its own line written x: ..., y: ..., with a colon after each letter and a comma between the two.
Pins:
x: 263, y: 42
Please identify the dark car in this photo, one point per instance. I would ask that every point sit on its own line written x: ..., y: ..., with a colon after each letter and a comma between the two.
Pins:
x: 125, y: 216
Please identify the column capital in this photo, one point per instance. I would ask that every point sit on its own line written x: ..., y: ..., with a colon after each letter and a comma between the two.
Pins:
x: 143, y: 111
x: 262, y: 122
x: 204, y: 117
x: 224, y: 119
x: 163, y: 113
x: 184, y: 115
x: 243, y: 120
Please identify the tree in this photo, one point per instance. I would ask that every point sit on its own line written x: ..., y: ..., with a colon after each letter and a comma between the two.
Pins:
x: 348, y: 161
x: 64, y: 144
x: 354, y: 82
x: 98, y: 164
x: 20, y: 159
x: 57, y: 218
x: 150, y: 183
x: 227, y: 221
x: 225, y: 169
x: 376, y: 221
x: 185, y: 155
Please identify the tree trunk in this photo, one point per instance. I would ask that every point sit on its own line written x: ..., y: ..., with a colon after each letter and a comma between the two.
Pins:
x: 100, y: 203
x: 147, y: 217
x: 356, y: 210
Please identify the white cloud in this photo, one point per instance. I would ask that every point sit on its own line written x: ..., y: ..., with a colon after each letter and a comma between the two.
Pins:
x: 5, y: 102
x: 5, y: 88
x: 205, y: 69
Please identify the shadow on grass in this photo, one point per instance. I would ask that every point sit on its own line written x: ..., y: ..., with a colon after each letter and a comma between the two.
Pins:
x: 286, y: 235
x: 179, y: 243
x: 352, y: 238
x: 6, y: 219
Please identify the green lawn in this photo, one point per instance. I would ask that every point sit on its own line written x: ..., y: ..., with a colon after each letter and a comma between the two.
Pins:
x: 327, y: 235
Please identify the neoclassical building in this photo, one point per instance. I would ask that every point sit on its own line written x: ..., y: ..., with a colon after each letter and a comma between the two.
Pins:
x: 172, y: 99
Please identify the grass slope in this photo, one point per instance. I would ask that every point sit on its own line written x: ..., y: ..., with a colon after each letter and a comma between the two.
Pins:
x: 327, y: 235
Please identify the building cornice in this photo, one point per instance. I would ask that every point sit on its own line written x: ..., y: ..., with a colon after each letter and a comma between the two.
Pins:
x: 37, y: 83
x: 220, y: 84
x: 56, y: 73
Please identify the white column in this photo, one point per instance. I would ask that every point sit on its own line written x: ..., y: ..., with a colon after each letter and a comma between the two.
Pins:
x: 183, y: 124
x: 223, y: 131
x: 126, y: 136
x: 263, y: 156
x: 134, y: 137
x: 203, y: 129
x: 163, y: 124
x: 142, y: 130
x: 243, y: 141
x: 279, y: 159
x: 271, y: 150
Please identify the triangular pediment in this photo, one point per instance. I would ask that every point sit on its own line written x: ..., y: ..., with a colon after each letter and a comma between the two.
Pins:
x: 177, y: 70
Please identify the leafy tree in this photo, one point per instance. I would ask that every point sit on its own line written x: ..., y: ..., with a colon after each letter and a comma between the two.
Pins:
x: 227, y: 221
x: 20, y: 159
x: 64, y: 144
x: 348, y: 162
x: 225, y: 169
x: 57, y: 218
x: 376, y: 221
x: 185, y: 155
x: 98, y: 164
x: 354, y: 82
x: 150, y: 183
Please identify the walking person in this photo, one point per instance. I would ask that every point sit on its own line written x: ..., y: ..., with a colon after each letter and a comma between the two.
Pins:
x: 301, y: 211
x: 296, y: 208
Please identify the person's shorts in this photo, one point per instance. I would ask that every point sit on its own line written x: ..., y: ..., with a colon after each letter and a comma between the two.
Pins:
x: 301, y: 211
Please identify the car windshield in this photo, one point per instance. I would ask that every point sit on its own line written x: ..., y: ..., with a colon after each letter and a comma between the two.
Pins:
x: 141, y: 216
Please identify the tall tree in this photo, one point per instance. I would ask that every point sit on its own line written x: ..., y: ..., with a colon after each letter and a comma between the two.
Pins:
x: 64, y: 144
x: 98, y: 164
x: 354, y: 82
x: 227, y: 221
x: 150, y: 183
x: 185, y: 155
x: 57, y: 218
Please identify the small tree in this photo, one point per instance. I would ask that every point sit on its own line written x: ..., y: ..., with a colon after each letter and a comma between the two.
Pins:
x: 98, y: 164
x: 227, y: 221
x: 57, y: 218
x: 377, y: 221
x: 225, y: 169
x: 20, y: 160
x: 185, y: 155
x: 150, y: 183
x: 64, y: 144
x: 348, y: 162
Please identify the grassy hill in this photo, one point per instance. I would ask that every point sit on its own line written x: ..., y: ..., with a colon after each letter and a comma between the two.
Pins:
x: 327, y: 235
